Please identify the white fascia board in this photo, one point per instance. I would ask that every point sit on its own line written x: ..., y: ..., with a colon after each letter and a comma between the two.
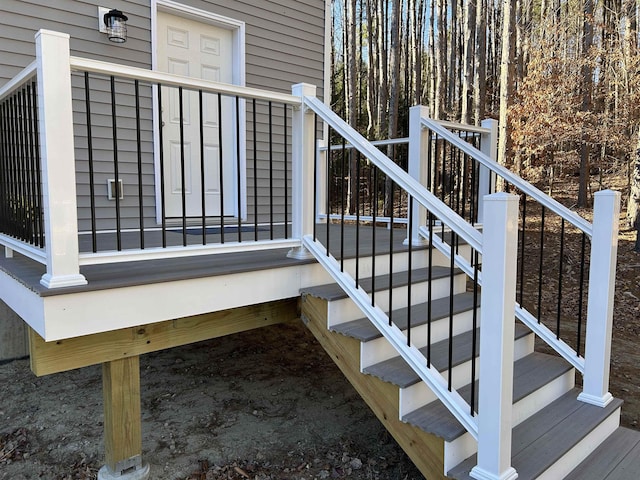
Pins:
x: 24, y: 301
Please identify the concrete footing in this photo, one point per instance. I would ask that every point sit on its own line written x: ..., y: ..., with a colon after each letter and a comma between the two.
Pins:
x: 13, y: 334
x: 141, y: 473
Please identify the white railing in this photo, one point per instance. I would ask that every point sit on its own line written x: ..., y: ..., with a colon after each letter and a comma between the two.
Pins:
x: 498, y: 244
x: 603, y: 234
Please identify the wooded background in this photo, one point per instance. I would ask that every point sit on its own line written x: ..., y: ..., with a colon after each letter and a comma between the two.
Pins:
x: 561, y: 76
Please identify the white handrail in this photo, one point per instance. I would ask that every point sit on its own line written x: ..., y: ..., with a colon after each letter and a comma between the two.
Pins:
x: 21, y: 78
x: 169, y: 79
x: 512, y: 178
x: 399, y: 176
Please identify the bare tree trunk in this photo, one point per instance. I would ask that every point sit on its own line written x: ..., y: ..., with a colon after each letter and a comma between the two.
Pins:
x: 433, y: 64
x: 440, y: 58
x: 587, y: 86
x: 469, y: 48
x: 633, y: 205
x: 372, y: 80
x: 394, y: 97
x: 480, y: 61
x: 506, y: 78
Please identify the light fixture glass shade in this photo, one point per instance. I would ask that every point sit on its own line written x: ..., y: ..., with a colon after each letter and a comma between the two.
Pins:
x: 116, y: 23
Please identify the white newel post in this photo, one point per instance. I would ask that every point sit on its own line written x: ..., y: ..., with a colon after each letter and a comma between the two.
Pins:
x: 418, y: 153
x: 55, y: 121
x: 602, y: 279
x: 489, y: 146
x: 302, y: 153
x: 497, y: 325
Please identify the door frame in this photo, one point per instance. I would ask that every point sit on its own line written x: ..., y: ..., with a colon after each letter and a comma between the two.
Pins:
x: 237, y: 28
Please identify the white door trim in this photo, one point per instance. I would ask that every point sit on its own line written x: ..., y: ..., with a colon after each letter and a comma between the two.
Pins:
x: 238, y: 29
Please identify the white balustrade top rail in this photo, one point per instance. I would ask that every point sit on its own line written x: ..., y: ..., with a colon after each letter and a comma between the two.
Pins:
x: 512, y: 178
x: 20, y: 79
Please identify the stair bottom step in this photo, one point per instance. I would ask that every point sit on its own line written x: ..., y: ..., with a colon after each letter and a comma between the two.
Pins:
x: 541, y: 443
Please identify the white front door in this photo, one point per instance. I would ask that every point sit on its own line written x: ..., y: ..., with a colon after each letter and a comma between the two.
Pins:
x: 191, y: 140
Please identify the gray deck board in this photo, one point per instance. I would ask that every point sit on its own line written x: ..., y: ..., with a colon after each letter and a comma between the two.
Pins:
x: 396, y: 371
x: 363, y: 330
x: 542, y: 439
x: 530, y: 373
x: 143, y: 272
x: 615, y: 459
x: 333, y: 291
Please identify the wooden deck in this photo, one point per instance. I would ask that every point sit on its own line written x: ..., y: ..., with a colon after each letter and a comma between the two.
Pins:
x: 144, y: 272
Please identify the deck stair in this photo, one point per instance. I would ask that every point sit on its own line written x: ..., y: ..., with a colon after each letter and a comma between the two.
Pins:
x: 553, y: 431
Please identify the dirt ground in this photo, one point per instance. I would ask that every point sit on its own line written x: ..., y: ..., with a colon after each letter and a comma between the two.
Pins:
x: 268, y: 404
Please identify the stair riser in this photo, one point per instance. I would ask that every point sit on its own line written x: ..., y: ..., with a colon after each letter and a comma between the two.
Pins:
x: 462, y: 448
x: 379, y: 350
x: 418, y: 395
x: 582, y: 449
x: 344, y: 310
x: 420, y: 259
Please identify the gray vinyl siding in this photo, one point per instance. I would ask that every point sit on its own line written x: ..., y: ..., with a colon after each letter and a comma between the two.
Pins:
x: 284, y: 46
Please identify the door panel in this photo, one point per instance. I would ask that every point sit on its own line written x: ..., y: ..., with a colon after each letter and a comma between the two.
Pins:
x: 191, y: 48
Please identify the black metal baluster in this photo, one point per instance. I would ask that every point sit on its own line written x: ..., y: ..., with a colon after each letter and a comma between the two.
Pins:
x: 373, y: 243
x: 24, y: 127
x: 163, y: 206
x: 183, y: 183
x: 116, y: 171
x: 255, y: 170
x: 315, y: 183
x: 343, y: 192
x: 238, y: 172
x: 541, y: 264
x: 474, y: 334
x: 581, y: 294
x: 22, y: 132
x: 32, y: 167
x: 203, y: 197
x: 523, y: 239
x: 391, y: 192
x: 221, y: 168
x: 328, y: 191
x: 357, y: 194
x: 270, y: 171
x: 560, y: 268
x: 36, y: 129
x: 139, y: 152
x: 286, y: 174
x: 429, y: 288
x: 409, y: 270
x: 451, y: 291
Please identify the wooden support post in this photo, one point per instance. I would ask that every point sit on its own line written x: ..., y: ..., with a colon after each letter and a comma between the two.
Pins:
x: 122, y: 420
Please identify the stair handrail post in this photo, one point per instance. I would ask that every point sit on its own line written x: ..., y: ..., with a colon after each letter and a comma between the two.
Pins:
x: 488, y: 146
x: 602, y: 276
x: 418, y: 154
x: 497, y: 327
x: 303, y: 151
x: 55, y: 122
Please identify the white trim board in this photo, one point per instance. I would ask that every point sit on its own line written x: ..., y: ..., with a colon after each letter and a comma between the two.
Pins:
x: 238, y: 29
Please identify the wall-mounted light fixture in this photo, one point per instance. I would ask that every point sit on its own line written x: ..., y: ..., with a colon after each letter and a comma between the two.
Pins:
x: 114, y: 23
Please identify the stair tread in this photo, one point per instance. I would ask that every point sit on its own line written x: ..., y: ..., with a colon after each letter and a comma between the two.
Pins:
x: 396, y: 371
x: 618, y: 458
x: 529, y: 374
x: 362, y: 329
x: 332, y: 291
x: 543, y: 439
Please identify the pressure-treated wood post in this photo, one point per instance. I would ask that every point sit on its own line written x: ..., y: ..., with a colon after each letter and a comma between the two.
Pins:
x: 303, y: 153
x: 489, y: 146
x: 602, y: 279
x: 499, y: 257
x: 55, y: 124
x: 122, y: 421
x: 418, y: 153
